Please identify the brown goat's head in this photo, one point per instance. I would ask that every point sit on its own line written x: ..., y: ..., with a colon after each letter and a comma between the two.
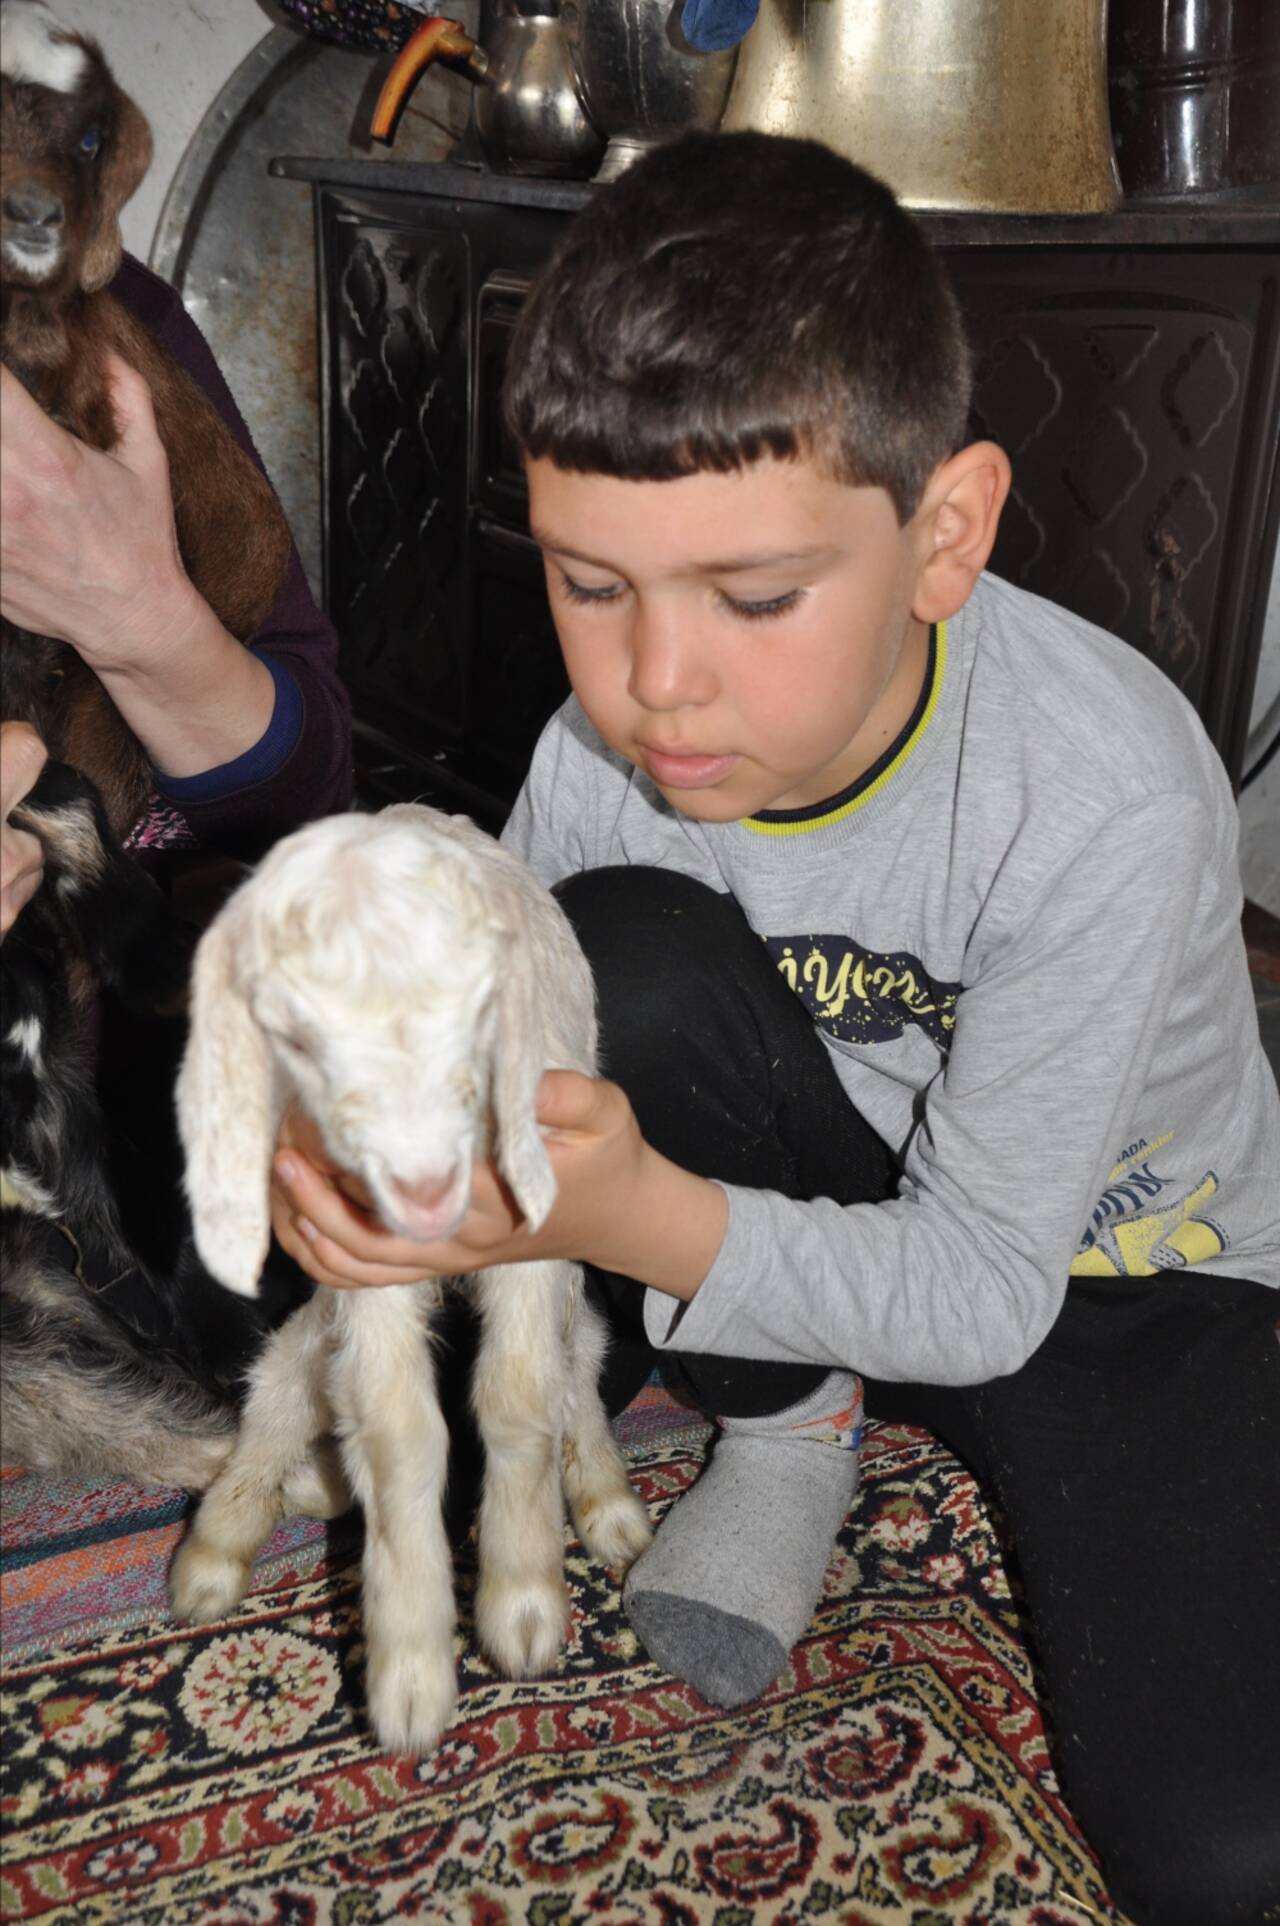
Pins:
x: 73, y: 147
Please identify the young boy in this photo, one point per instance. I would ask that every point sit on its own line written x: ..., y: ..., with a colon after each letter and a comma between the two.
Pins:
x: 914, y: 911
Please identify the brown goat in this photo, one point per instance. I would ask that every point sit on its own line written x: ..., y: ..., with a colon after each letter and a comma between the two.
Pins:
x: 73, y: 147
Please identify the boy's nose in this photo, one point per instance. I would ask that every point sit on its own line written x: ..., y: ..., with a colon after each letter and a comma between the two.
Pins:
x: 668, y: 667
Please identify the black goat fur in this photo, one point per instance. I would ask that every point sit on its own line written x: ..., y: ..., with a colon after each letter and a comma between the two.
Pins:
x: 108, y: 1364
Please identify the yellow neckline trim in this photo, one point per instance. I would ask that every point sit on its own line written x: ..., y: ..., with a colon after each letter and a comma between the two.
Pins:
x: 890, y: 770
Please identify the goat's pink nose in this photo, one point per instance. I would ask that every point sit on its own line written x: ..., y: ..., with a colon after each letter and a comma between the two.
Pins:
x: 428, y: 1193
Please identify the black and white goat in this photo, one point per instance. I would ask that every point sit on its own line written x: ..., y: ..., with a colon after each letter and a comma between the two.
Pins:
x: 82, y: 1390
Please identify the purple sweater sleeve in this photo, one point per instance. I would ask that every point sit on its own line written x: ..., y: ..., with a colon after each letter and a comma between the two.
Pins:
x: 302, y: 768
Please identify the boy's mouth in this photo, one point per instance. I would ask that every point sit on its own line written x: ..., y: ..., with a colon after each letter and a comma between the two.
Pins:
x: 683, y: 771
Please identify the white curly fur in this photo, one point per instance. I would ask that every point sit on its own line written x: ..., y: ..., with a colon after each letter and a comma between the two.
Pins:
x: 408, y: 981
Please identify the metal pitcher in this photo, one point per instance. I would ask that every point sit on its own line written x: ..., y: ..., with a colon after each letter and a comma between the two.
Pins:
x: 989, y: 104
x: 529, y: 111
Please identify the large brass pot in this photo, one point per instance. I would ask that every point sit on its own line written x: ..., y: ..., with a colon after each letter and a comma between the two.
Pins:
x: 998, y: 104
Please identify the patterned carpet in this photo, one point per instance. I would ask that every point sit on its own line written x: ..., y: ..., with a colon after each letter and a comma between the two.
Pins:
x: 897, y: 1776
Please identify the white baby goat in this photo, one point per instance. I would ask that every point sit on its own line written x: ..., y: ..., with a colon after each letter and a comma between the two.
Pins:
x: 406, y: 981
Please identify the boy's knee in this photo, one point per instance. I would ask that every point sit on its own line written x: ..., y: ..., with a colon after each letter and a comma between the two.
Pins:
x: 656, y: 940
x: 679, y: 1021
x: 628, y: 903
x: 721, y: 1061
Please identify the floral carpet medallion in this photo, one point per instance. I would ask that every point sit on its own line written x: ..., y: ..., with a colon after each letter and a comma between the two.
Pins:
x: 895, y: 1776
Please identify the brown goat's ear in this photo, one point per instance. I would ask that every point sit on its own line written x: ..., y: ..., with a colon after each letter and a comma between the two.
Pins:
x: 127, y: 160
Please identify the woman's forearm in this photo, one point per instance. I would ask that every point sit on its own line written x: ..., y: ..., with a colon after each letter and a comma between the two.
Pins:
x: 196, y: 698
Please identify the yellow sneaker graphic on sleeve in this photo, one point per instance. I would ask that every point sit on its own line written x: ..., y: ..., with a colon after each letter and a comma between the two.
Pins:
x: 1139, y: 1244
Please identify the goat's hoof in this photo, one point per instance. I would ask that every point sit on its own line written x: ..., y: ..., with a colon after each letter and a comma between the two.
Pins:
x: 614, y: 1526
x: 205, y: 1582
x: 521, y: 1623
x: 315, y: 1487
x: 411, y: 1696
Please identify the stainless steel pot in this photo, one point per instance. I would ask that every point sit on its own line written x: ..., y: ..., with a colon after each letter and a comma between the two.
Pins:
x: 998, y: 104
x: 641, y: 79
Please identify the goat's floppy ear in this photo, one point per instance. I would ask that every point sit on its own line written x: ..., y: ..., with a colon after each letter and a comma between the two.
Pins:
x: 519, y: 1060
x: 228, y: 1116
x: 124, y: 164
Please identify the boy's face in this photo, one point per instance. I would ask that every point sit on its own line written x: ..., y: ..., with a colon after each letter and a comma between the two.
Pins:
x: 747, y: 640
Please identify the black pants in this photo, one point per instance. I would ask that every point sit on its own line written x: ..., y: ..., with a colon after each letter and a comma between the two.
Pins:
x: 1136, y: 1454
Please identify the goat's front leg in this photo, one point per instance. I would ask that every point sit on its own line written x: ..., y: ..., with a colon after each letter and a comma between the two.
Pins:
x: 272, y: 1466
x: 395, y: 1448
x: 610, y: 1519
x: 519, y: 1393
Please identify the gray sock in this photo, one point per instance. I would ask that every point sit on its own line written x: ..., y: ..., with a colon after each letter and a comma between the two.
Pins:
x: 732, y: 1577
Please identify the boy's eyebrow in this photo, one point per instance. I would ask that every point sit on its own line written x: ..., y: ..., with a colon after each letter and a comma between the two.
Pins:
x: 731, y: 565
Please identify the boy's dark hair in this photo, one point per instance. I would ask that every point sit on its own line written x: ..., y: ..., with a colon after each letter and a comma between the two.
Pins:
x: 740, y: 295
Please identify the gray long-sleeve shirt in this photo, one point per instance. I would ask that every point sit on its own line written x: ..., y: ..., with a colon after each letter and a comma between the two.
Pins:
x: 1021, y: 945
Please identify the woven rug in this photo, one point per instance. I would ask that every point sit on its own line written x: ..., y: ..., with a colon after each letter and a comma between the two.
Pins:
x: 896, y: 1776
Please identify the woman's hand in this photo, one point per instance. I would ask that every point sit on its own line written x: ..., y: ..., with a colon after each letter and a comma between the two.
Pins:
x: 89, y: 554
x: 619, y: 1205
x: 22, y: 757
x: 88, y: 547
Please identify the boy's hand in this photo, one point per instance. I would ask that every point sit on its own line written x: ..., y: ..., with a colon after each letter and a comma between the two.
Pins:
x: 619, y: 1205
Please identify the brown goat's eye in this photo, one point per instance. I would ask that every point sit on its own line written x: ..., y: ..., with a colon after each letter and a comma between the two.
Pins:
x: 90, y: 142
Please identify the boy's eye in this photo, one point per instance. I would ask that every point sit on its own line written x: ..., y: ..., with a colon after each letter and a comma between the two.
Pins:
x: 577, y: 592
x: 760, y: 611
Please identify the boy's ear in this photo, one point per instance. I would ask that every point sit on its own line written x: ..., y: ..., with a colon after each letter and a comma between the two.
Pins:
x: 957, y: 522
